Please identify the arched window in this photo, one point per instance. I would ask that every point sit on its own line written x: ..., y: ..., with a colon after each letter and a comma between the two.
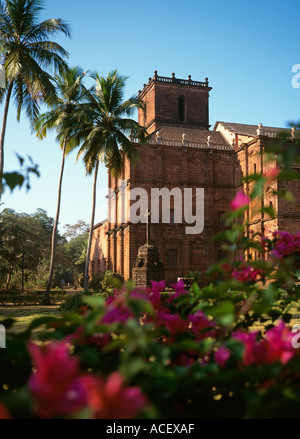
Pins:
x: 181, y: 108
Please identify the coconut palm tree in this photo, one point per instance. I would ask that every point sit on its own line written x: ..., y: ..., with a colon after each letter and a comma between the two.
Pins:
x: 70, y: 93
x: 28, y: 54
x: 103, y: 133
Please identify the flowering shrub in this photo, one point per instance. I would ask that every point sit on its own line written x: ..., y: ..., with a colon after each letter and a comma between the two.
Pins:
x: 58, y: 388
x: 145, y: 353
x: 223, y: 350
x: 286, y: 245
x: 240, y: 200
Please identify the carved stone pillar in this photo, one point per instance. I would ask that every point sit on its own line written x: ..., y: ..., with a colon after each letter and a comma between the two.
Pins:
x: 122, y: 252
x: 114, y: 252
x: 147, y: 266
x: 108, y: 251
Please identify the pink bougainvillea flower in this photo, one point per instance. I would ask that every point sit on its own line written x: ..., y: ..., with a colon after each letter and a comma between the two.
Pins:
x: 155, y: 293
x: 249, y: 340
x: 179, y: 287
x: 81, y: 339
x: 199, y: 323
x: 247, y: 273
x: 225, y: 266
x: 286, y: 244
x: 276, y: 346
x: 173, y: 322
x: 54, y: 384
x: 184, y: 360
x: 151, y: 294
x: 4, y: 413
x: 179, y: 291
x: 59, y: 389
x: 240, y: 200
x: 109, y: 399
x: 116, y: 310
x: 222, y: 355
x: 267, y: 384
x: 117, y: 315
x: 272, y: 174
x: 140, y: 293
x: 99, y: 340
x: 158, y: 287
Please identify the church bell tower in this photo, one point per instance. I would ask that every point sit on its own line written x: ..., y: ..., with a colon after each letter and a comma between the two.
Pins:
x: 174, y: 102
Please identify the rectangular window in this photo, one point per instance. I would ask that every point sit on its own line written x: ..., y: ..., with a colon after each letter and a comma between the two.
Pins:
x: 171, y: 258
x: 221, y: 218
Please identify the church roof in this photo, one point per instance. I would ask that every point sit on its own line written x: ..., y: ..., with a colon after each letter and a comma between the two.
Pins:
x: 250, y: 130
x: 102, y: 223
x: 193, y: 135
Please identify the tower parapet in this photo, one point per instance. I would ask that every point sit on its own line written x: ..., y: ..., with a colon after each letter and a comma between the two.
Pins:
x: 176, y: 102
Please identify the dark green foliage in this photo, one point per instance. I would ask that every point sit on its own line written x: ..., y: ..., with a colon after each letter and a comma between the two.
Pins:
x: 106, y: 282
x: 25, y: 241
x: 15, y: 179
x: 73, y: 302
x: 29, y: 299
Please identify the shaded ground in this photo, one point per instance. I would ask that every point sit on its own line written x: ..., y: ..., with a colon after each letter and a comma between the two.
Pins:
x: 25, y: 314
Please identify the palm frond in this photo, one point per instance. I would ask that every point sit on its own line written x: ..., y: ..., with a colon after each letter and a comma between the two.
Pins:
x: 103, y: 131
x: 43, y: 30
x: 29, y: 54
x: 63, y: 116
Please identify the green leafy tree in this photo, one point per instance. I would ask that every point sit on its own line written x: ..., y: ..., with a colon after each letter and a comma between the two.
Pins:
x: 28, y: 54
x: 24, y: 244
x: 70, y: 92
x: 76, y: 249
x: 105, y: 124
x: 11, y: 244
x: 73, y: 231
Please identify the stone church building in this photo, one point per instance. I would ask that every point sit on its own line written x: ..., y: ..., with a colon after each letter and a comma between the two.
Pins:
x: 184, y: 152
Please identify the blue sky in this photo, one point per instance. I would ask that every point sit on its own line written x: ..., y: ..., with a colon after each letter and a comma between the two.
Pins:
x: 245, y: 48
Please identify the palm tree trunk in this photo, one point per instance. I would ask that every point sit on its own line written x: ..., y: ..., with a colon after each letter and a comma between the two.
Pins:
x: 46, y: 300
x: 4, y: 123
x: 9, y: 275
x: 88, y: 254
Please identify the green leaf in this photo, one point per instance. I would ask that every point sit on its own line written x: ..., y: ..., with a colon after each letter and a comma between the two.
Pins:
x: 224, y: 313
x: 96, y: 301
x: 7, y: 323
x: 140, y: 306
x: 258, y: 188
x: 42, y: 321
x: 286, y: 195
x: 13, y: 179
x: 269, y: 211
x: 21, y: 160
x: 269, y: 294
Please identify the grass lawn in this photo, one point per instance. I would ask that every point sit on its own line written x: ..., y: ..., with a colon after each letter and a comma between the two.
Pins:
x: 25, y: 314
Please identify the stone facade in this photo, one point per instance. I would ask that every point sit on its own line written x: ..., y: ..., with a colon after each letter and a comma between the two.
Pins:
x: 171, y: 100
x: 184, y: 153
x: 147, y: 267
